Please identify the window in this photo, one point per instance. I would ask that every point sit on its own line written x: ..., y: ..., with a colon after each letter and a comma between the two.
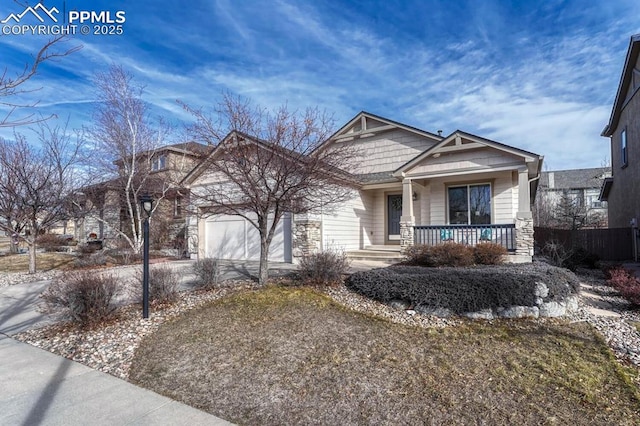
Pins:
x: 177, y: 211
x: 159, y: 162
x: 470, y: 204
x: 623, y: 154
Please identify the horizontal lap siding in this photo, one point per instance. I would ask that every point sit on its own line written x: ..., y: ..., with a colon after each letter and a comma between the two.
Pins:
x: 349, y: 226
x: 503, y: 199
x: 379, y: 206
x: 438, y: 203
x: 425, y: 206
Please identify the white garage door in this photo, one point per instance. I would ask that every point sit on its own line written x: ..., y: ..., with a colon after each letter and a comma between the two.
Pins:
x: 233, y: 237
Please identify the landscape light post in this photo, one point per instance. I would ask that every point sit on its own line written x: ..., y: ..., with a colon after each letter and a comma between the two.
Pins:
x: 147, y: 205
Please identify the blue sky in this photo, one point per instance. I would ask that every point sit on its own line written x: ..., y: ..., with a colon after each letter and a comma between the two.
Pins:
x: 540, y: 76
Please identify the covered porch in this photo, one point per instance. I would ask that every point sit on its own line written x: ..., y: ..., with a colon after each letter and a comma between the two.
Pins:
x: 460, y: 191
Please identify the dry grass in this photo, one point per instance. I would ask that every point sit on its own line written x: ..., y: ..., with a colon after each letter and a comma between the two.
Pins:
x: 292, y: 356
x: 44, y: 262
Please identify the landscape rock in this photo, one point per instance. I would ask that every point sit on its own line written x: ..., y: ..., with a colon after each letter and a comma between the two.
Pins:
x: 485, y: 314
x: 398, y: 304
x: 436, y: 312
x: 572, y: 303
x: 553, y: 309
x: 541, y: 290
x: 519, y: 312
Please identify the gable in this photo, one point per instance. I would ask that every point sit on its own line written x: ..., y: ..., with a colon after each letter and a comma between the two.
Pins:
x: 383, y: 145
x: 461, y: 153
x: 473, y: 159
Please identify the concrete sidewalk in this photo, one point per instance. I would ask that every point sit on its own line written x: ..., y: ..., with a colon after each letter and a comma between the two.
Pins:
x: 40, y: 388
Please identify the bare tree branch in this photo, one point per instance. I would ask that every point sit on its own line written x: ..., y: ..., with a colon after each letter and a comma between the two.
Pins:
x: 11, y: 87
x: 268, y: 164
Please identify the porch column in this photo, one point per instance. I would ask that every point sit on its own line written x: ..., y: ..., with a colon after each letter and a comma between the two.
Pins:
x: 524, y: 196
x: 524, y: 219
x: 407, y: 220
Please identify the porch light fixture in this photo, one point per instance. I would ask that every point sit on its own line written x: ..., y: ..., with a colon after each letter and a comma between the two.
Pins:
x: 415, y: 196
x: 147, y: 205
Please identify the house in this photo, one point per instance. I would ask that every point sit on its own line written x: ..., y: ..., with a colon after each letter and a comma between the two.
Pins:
x: 413, y: 187
x: 569, y: 199
x: 104, y: 214
x: 621, y: 190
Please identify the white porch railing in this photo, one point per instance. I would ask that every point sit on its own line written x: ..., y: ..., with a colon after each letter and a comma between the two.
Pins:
x: 505, y: 235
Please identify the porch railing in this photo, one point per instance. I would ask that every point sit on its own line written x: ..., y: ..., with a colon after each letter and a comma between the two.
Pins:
x: 505, y: 235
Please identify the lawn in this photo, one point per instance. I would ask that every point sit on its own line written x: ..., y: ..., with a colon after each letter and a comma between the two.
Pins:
x: 285, y: 355
x: 44, y: 262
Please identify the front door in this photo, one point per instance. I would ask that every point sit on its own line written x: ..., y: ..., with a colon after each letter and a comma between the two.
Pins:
x: 394, y: 211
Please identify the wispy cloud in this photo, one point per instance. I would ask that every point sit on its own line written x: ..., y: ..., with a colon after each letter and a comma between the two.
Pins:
x: 538, y: 76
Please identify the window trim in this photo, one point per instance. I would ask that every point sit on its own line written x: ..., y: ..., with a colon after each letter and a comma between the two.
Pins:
x: 467, y: 185
x: 178, y: 208
x: 624, y: 149
x: 159, y: 162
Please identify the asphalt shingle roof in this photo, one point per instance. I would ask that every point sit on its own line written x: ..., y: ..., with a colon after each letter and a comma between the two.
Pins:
x: 575, y: 179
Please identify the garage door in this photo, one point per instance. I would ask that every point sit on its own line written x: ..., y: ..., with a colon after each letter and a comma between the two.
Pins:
x: 233, y: 237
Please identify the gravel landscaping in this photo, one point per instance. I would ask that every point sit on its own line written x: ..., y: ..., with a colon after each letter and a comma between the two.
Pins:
x: 12, y: 278
x: 111, y: 348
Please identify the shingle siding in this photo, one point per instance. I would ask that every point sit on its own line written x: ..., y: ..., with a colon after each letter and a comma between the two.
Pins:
x: 388, y: 150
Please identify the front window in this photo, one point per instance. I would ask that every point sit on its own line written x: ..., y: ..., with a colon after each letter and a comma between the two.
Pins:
x: 624, y: 154
x: 159, y: 162
x: 177, y: 211
x: 470, y: 204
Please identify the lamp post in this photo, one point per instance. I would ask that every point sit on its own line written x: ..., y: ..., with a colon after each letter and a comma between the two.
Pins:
x: 147, y: 205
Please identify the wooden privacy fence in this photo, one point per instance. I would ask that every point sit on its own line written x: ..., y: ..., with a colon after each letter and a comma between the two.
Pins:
x: 607, y: 243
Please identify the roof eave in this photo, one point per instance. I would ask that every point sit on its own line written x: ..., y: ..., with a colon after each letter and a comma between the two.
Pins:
x: 632, y: 56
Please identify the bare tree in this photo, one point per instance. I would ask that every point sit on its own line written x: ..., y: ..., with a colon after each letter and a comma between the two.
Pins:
x: 572, y: 212
x: 12, y: 86
x: 125, y: 142
x: 36, y: 182
x: 266, y: 164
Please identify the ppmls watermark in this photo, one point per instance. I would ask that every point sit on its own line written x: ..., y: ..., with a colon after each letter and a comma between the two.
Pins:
x: 40, y: 20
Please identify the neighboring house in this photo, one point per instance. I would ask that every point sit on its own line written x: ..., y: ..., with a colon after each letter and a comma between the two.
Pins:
x: 414, y: 187
x: 106, y: 201
x: 570, y: 199
x: 621, y: 190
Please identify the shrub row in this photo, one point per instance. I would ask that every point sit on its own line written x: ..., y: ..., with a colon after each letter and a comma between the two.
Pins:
x: 323, y: 268
x: 571, y: 259
x: 625, y: 282
x: 464, y: 289
x: 455, y: 254
x: 54, y: 242
x: 207, y: 273
x: 83, y: 297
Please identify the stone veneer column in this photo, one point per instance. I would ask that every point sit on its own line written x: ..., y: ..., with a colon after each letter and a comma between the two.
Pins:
x: 524, y: 236
x: 306, y: 237
x: 407, y: 220
x: 406, y: 235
